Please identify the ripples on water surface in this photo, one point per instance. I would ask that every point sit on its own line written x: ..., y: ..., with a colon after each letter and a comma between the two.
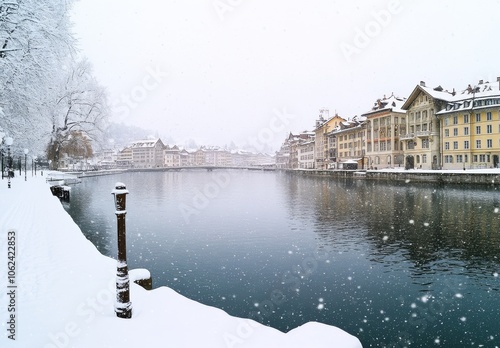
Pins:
x: 391, y: 264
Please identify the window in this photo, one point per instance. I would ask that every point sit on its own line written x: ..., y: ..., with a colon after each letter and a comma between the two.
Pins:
x: 488, y: 116
x: 459, y: 159
x: 489, y: 128
x: 474, y: 158
x: 425, y: 143
x: 489, y: 143
x: 447, y: 145
x: 455, y: 132
x: 466, y: 130
x: 478, y: 129
x: 466, y: 158
x: 455, y: 145
x: 478, y: 144
x: 446, y: 122
x: 466, y: 118
x: 466, y: 145
x: 478, y: 117
x: 448, y: 159
x: 482, y: 158
x: 424, y: 158
x: 455, y: 119
x: 446, y: 132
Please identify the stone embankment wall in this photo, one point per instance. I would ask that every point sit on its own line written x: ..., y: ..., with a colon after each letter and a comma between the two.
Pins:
x: 410, y: 176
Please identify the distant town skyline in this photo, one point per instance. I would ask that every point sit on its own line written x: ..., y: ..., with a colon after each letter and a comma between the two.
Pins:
x: 250, y: 72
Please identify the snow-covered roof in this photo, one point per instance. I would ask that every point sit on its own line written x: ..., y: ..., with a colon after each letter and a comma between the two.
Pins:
x: 144, y: 143
x: 483, y: 95
x: 436, y: 93
x: 392, y: 103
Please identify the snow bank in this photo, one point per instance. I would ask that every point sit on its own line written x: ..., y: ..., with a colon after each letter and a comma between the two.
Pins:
x: 66, y: 289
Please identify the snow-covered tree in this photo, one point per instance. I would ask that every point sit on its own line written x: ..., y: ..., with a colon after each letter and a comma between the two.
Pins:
x: 35, y: 41
x: 80, y: 107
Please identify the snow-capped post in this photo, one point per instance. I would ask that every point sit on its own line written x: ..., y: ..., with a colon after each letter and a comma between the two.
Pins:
x: 123, y: 306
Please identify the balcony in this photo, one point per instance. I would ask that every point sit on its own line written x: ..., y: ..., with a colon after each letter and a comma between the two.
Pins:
x: 423, y: 133
x: 407, y: 136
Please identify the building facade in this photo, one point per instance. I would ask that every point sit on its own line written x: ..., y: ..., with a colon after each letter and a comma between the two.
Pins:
x: 470, y: 137
x: 385, y: 122
x: 350, y: 142
x: 422, y: 148
x: 147, y: 153
x: 324, y: 125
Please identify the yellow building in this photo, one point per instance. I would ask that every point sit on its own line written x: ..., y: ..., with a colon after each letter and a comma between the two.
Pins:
x: 422, y: 148
x: 384, y: 125
x: 324, y: 125
x: 470, y: 123
x: 350, y: 140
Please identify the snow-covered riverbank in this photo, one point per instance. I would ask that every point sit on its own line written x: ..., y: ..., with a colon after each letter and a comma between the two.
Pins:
x: 65, y: 290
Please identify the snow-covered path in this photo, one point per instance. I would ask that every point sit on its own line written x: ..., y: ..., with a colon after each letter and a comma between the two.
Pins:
x: 65, y: 292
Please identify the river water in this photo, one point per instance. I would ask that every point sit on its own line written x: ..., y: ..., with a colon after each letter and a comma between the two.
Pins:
x: 394, y: 264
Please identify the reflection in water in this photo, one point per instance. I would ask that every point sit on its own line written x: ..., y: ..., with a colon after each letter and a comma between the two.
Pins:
x: 392, y: 264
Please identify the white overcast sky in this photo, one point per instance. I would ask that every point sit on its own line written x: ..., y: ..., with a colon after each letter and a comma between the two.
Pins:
x: 216, y: 70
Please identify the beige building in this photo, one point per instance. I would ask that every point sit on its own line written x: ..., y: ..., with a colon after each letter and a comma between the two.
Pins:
x: 385, y: 122
x: 124, y: 158
x: 304, y: 150
x: 470, y: 128
x: 422, y: 139
x: 172, y: 156
x: 147, y: 153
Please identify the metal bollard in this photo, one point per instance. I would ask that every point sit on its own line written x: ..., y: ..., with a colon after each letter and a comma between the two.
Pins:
x: 123, y: 306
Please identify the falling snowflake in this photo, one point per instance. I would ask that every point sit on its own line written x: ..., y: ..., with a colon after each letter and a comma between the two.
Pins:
x: 321, y: 306
x: 463, y: 319
x: 412, y: 221
x: 496, y: 210
x: 385, y: 238
x: 459, y: 295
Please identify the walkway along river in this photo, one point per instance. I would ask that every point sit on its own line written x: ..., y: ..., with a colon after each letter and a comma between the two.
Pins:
x: 391, y: 263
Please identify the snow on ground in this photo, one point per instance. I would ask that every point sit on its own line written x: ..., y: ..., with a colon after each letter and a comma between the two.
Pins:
x: 66, y: 289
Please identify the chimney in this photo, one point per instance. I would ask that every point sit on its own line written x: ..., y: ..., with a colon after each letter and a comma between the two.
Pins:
x: 422, y: 83
x: 480, y: 82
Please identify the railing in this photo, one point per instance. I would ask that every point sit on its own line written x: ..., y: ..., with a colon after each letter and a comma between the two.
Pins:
x: 407, y: 136
x: 423, y: 133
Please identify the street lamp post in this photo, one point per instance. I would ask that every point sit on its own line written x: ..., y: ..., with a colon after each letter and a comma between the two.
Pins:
x: 25, y: 163
x: 35, y: 159
x: 8, y: 142
x: 123, y: 307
